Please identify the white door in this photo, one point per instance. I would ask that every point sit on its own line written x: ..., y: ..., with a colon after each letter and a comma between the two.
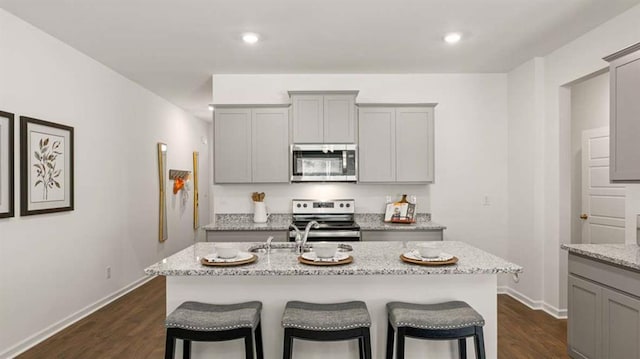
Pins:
x: 603, y: 203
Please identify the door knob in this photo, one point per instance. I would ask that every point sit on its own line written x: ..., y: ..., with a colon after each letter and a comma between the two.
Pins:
x: 584, y: 216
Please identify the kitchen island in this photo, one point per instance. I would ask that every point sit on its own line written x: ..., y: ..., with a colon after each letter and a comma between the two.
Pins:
x: 376, y: 276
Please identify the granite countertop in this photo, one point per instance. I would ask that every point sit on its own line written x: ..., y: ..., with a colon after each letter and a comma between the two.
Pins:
x: 281, y: 221
x: 370, y: 258
x: 625, y: 255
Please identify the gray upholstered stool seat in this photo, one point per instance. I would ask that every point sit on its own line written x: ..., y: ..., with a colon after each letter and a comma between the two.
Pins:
x: 214, y: 317
x: 204, y: 322
x: 336, y: 316
x: 327, y: 322
x: 447, y: 315
x: 453, y: 320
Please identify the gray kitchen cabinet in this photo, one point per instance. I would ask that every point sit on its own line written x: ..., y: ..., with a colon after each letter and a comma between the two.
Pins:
x: 396, y: 143
x: 251, y: 144
x: 246, y: 236
x: 270, y: 145
x: 232, y: 145
x: 621, y: 325
x: 400, y: 235
x: 323, y: 116
x: 414, y: 144
x: 624, y: 74
x: 377, y: 144
x: 585, y: 323
x: 603, y: 310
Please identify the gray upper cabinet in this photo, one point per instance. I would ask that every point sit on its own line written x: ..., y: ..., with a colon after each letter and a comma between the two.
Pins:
x: 232, y: 145
x: 377, y: 144
x: 396, y: 143
x: 251, y: 144
x: 414, y: 144
x: 270, y: 145
x: 323, y: 116
x: 624, y: 72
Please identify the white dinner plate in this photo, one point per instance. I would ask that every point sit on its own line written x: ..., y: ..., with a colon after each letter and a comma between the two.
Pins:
x: 443, y: 257
x: 242, y: 256
x: 311, y: 256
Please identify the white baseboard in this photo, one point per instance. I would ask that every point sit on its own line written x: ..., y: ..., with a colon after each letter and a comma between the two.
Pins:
x: 47, y: 332
x: 534, y: 304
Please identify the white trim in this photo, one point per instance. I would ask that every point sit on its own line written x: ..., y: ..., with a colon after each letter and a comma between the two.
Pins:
x: 54, y: 328
x: 534, y: 304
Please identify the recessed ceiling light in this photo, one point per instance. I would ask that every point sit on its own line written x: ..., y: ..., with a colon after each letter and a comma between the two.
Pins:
x: 250, y: 38
x: 210, y: 107
x: 452, y: 37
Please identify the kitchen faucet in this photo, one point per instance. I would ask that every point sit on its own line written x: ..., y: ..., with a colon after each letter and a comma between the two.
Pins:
x: 301, y: 240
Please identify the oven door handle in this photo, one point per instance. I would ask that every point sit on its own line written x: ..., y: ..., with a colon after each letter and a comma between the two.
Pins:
x: 330, y: 234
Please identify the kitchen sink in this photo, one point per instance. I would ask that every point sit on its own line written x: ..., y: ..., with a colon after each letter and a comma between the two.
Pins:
x: 290, y: 246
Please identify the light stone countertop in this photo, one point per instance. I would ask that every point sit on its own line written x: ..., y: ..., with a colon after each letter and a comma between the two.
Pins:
x: 370, y: 258
x: 281, y: 221
x: 625, y: 255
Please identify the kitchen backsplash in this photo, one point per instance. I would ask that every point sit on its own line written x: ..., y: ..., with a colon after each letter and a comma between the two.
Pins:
x: 370, y: 198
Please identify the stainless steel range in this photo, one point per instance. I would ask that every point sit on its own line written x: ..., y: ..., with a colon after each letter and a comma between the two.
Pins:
x: 336, y: 219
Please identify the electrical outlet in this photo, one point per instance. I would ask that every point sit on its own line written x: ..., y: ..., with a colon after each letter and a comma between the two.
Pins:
x: 485, y: 200
x: 108, y: 272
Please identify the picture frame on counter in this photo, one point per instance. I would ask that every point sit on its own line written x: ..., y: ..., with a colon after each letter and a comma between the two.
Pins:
x: 7, y: 193
x: 46, y: 167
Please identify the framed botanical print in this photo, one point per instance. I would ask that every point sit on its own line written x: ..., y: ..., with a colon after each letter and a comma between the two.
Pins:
x: 6, y: 165
x: 46, y: 167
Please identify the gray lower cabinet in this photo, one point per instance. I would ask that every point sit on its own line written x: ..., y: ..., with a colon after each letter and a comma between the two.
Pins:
x: 603, y: 310
x: 621, y: 325
x: 624, y: 75
x: 251, y: 144
x: 398, y: 235
x: 396, y: 143
x: 246, y: 236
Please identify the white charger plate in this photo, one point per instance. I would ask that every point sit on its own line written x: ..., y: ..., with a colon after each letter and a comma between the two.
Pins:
x: 242, y: 256
x: 443, y: 257
x: 311, y: 256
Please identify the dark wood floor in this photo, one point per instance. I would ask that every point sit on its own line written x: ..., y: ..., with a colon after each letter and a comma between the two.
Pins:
x: 132, y: 327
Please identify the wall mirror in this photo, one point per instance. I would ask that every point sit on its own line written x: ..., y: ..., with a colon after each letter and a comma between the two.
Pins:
x: 162, y: 175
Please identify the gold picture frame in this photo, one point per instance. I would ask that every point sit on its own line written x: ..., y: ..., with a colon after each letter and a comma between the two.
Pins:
x: 196, y: 204
x: 162, y: 175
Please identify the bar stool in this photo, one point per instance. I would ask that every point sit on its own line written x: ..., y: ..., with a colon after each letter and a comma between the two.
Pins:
x: 327, y: 322
x: 441, y: 321
x: 195, y: 321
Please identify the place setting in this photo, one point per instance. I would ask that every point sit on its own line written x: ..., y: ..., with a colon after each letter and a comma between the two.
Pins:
x: 227, y: 255
x: 325, y: 254
x: 428, y: 254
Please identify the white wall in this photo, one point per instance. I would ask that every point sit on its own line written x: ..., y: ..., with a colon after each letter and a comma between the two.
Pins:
x: 526, y: 116
x: 470, y: 147
x: 53, y: 267
x: 589, y: 110
x: 565, y: 65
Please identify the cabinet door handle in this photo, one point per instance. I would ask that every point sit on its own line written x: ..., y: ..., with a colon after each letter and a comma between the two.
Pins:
x: 584, y: 216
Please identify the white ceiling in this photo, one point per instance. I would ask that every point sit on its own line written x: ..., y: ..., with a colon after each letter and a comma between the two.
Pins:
x: 172, y: 47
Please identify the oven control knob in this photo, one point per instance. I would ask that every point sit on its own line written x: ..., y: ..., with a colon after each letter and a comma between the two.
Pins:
x: 348, y: 205
x: 341, y: 205
x: 304, y: 205
x: 298, y: 205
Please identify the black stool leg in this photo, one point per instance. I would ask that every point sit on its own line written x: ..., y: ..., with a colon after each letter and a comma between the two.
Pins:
x: 258, y: 335
x: 361, y: 347
x: 248, y: 344
x: 170, y: 346
x: 400, y: 345
x: 390, y: 335
x: 186, y: 349
x: 462, y: 348
x: 479, y: 341
x: 366, y: 338
x: 288, y: 341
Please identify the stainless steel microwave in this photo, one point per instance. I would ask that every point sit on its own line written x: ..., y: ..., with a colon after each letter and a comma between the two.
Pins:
x: 324, y: 163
